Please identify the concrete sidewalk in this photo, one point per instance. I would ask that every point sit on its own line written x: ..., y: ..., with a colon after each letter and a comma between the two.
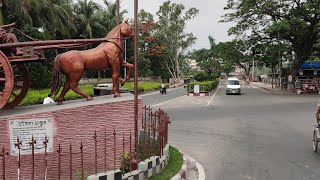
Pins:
x: 268, y: 87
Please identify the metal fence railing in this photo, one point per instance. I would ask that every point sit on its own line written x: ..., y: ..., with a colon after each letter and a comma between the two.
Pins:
x: 72, y: 159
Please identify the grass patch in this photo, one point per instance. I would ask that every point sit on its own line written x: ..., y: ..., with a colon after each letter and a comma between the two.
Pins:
x: 173, y: 167
x: 37, y: 96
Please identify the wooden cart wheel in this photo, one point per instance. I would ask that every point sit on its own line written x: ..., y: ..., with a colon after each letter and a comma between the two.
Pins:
x: 6, y: 80
x: 20, y: 85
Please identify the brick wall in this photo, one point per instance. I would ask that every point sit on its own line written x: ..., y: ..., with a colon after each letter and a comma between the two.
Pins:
x: 74, y: 125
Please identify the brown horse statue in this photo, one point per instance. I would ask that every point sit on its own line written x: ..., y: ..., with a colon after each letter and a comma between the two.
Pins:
x: 106, y: 55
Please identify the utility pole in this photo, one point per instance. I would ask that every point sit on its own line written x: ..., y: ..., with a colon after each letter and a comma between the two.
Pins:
x: 280, y: 59
x: 125, y: 56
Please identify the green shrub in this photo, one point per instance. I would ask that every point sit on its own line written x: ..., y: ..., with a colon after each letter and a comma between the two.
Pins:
x: 125, y: 161
x: 202, y: 76
x: 205, y: 86
x: 146, y: 86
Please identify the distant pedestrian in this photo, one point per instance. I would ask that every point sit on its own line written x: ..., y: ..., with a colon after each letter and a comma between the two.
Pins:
x: 297, y: 83
x: 48, y: 100
x: 163, y: 88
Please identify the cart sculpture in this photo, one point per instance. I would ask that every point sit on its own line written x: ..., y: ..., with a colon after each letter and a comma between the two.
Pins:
x: 14, y: 75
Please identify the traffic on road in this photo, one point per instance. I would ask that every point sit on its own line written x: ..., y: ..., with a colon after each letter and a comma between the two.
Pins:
x: 258, y: 135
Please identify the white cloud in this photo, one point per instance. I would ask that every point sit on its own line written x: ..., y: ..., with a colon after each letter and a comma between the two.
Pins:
x: 205, y: 24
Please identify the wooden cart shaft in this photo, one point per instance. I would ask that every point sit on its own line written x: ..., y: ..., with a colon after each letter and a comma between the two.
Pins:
x: 53, y: 43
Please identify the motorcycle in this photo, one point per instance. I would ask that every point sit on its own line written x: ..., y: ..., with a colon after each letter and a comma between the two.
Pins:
x: 163, y: 91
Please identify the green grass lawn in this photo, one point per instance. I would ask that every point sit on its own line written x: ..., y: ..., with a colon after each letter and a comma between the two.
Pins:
x: 37, y: 96
x: 173, y: 167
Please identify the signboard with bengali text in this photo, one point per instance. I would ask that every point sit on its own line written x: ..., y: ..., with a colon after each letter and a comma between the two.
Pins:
x: 196, y: 89
x: 39, y: 128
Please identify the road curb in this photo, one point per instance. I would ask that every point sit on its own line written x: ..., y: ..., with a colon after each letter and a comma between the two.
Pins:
x: 198, y: 94
x: 262, y: 87
x: 274, y: 91
x: 189, y: 164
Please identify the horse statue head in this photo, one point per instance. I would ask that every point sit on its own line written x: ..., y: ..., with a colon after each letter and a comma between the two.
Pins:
x: 117, y: 34
x: 106, y: 55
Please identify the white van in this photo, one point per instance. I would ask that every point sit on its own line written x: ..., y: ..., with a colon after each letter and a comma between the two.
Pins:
x: 233, y: 86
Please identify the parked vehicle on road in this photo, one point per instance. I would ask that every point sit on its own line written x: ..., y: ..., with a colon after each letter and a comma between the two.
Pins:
x: 233, y: 86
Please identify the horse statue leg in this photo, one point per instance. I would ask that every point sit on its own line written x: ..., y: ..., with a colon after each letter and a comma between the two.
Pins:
x: 115, y: 79
x: 65, y: 89
x: 129, y: 68
x: 74, y: 81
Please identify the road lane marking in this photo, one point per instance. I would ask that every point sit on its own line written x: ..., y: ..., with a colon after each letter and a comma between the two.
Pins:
x: 213, y: 95
x: 166, y: 101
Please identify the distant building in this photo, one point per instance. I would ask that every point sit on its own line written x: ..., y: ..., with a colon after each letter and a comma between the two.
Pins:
x: 239, y: 70
x: 193, y: 64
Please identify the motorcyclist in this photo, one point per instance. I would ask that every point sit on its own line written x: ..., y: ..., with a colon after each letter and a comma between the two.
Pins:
x: 163, y: 88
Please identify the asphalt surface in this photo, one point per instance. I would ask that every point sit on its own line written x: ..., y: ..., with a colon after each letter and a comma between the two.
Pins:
x: 257, y: 135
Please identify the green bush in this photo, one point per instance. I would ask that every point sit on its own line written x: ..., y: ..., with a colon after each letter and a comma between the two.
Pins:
x: 202, y: 76
x: 142, y: 87
x: 205, y: 86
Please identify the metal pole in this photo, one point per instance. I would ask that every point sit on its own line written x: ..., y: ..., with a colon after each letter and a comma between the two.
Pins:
x: 70, y: 163
x: 135, y: 161
x: 125, y: 56
x: 280, y: 79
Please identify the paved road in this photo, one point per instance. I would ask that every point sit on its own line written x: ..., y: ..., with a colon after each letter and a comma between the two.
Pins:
x: 155, y: 98
x: 256, y: 135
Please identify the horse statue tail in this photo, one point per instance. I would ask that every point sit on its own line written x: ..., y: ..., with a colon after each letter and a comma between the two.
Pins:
x: 56, y: 77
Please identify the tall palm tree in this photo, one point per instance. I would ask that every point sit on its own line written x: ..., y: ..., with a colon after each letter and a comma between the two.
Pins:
x: 110, y: 15
x: 87, y: 17
x: 16, y: 10
x: 1, y: 16
x: 53, y: 15
x: 56, y: 16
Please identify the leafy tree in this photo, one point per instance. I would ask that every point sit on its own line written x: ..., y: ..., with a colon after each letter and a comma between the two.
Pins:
x: 296, y: 22
x: 151, y: 51
x: 171, y: 36
x: 206, y: 58
x: 235, y: 53
x: 109, y: 16
x: 87, y: 18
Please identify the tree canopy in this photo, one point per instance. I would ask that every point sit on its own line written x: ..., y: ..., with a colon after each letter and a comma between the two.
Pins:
x: 294, y: 21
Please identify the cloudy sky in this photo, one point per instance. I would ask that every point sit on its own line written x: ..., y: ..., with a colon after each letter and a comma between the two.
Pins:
x: 205, y: 24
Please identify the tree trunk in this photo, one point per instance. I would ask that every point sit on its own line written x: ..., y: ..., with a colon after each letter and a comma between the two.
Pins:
x: 177, y: 59
x: 1, y: 16
x: 302, y: 55
x: 272, y: 69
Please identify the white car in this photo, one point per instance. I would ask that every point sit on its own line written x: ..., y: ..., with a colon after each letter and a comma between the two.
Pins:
x: 233, y: 86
